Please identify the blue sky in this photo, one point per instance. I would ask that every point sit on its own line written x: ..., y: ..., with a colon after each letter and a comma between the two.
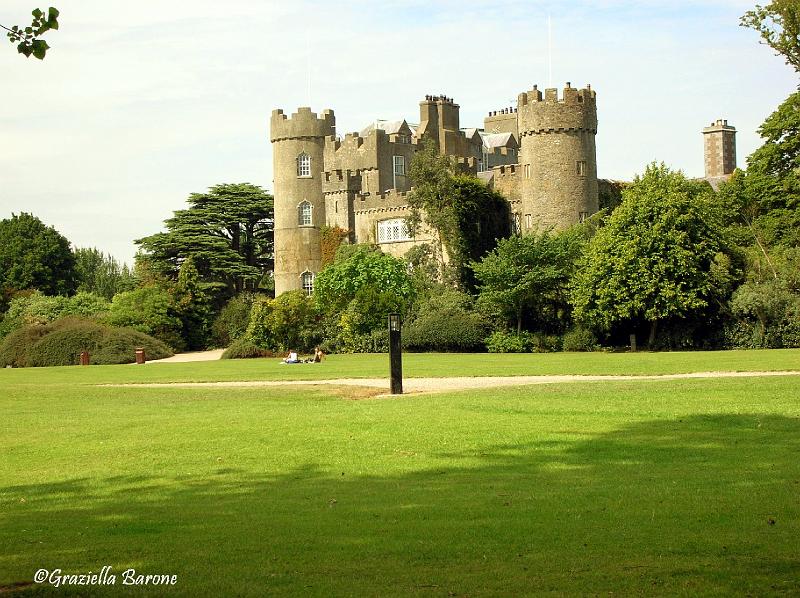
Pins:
x: 140, y: 104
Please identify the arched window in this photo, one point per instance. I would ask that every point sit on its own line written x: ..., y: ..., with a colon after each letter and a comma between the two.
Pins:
x: 304, y: 214
x: 308, y: 282
x: 304, y: 165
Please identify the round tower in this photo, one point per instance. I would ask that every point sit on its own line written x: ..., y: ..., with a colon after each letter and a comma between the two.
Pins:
x: 558, y: 160
x: 297, y: 149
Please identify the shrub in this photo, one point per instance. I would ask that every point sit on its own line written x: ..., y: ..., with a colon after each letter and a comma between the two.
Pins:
x: 444, y: 321
x: 522, y: 342
x: 579, y: 339
x: 61, y: 343
x: 35, y: 308
x: 64, y: 346
x: 148, y: 310
x: 290, y: 321
x: 244, y: 348
x: 232, y: 322
x: 16, y: 346
x: 119, y: 346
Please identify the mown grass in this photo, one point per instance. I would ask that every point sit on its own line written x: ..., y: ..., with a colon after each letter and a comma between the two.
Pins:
x: 662, y: 487
x: 418, y: 365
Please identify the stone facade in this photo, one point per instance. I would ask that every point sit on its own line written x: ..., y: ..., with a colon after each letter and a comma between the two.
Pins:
x: 719, y: 143
x: 539, y: 155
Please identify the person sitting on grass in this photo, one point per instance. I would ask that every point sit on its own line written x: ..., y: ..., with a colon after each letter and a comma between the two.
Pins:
x: 292, y: 357
x: 318, y: 355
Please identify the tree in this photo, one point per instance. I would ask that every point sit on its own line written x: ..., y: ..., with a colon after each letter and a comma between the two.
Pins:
x: 528, y: 275
x: 35, y: 256
x: 655, y: 257
x: 290, y: 321
x: 465, y: 215
x: 192, y: 306
x: 363, y: 267
x: 101, y: 274
x: 779, y: 25
x: 227, y: 231
x: 28, y: 39
x: 150, y: 310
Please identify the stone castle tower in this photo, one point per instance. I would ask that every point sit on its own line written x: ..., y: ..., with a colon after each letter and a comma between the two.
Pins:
x: 557, y: 155
x: 298, y: 145
x: 719, y: 142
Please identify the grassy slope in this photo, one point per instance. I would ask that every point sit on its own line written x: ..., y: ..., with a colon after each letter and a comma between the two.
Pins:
x: 636, y: 487
x: 418, y: 365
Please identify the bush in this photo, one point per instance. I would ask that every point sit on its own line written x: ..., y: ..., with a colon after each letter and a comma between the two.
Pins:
x: 61, y: 343
x: 35, y: 308
x: 232, y: 322
x: 16, y: 346
x: 522, y: 342
x: 244, y: 348
x: 290, y: 321
x: 447, y: 331
x: 579, y: 339
x: 445, y: 321
x: 119, y: 346
x: 64, y: 346
x: 149, y: 310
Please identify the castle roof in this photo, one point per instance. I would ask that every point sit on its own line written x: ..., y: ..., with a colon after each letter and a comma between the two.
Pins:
x: 390, y: 127
x: 491, y: 140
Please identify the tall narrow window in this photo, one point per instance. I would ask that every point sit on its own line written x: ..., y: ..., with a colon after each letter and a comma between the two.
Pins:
x: 581, y: 164
x: 527, y: 170
x: 304, y: 165
x: 399, y: 164
x: 516, y: 223
x: 308, y: 283
x: 399, y: 169
x: 304, y: 214
x: 583, y: 216
x: 528, y: 221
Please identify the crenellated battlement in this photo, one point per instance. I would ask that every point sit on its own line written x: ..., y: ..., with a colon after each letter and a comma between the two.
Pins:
x: 388, y: 200
x: 303, y: 123
x: 574, y: 110
x: 570, y: 95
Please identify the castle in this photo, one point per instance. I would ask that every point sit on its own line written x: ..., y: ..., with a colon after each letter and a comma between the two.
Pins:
x: 540, y: 155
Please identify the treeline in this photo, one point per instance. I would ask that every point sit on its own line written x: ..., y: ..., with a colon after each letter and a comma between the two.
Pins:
x: 82, y: 299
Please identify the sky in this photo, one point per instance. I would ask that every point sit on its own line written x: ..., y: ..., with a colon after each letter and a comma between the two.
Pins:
x: 139, y: 104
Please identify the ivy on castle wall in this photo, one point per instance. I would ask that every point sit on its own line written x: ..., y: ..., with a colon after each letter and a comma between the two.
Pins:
x: 330, y: 238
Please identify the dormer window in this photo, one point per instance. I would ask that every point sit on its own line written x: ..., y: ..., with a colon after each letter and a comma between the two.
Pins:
x: 304, y: 214
x: 304, y: 165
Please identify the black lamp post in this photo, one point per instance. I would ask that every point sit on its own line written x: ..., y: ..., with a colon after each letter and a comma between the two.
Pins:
x: 395, y: 355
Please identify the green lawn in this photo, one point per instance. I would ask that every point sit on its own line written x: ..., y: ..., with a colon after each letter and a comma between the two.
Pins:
x: 640, y: 487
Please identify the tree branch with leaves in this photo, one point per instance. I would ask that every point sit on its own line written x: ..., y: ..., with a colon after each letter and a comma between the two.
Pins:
x: 29, y: 39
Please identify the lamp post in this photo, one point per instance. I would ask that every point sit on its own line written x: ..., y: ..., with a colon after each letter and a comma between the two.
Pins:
x: 395, y: 355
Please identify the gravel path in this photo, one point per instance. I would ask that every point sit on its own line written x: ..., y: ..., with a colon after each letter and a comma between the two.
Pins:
x: 457, y: 383
x: 212, y: 355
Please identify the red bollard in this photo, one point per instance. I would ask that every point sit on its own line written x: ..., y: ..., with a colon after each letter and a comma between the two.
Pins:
x: 84, y: 357
x: 140, y: 358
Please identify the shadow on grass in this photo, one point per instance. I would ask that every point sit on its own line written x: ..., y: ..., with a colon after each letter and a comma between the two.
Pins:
x: 704, y: 505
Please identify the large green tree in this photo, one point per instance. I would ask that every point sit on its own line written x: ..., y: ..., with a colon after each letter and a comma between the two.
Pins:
x: 227, y: 231
x: 527, y: 276
x: 660, y: 255
x: 35, y: 256
x: 361, y: 269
